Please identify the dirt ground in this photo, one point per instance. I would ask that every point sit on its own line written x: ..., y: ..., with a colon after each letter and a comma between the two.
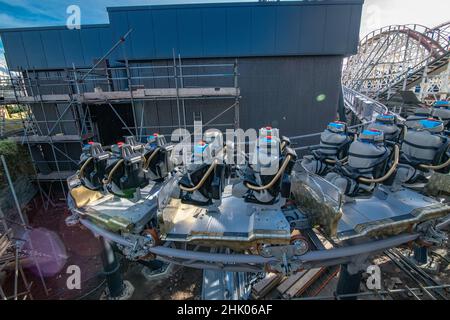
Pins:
x: 84, y: 250
x: 181, y: 284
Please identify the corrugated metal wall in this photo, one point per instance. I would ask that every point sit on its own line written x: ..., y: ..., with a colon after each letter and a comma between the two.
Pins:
x: 298, y: 94
x: 237, y: 30
x: 284, y: 92
x: 56, y: 47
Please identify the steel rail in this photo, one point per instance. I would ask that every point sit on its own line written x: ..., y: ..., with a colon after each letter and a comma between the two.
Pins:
x: 415, y: 273
x: 323, y: 257
x: 372, y: 293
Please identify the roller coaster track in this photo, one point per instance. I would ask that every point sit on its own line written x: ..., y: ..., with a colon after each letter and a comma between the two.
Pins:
x: 397, y: 57
x: 417, y: 275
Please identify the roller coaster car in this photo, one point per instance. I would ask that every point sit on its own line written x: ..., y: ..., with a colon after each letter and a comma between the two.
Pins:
x: 93, y: 163
x: 157, y: 154
x: 125, y: 172
x: 368, y: 196
x: 201, y: 217
x: 334, y: 144
x: 127, y: 203
x: 425, y: 150
x: 388, y: 123
x: 441, y: 111
x: 134, y: 144
x: 239, y: 215
x: 204, y: 180
x: 422, y: 113
x: 266, y: 178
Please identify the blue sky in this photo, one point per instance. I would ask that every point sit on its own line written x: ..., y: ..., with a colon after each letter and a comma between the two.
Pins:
x: 26, y: 13
x: 376, y: 13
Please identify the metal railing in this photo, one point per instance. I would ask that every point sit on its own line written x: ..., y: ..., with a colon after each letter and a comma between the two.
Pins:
x: 365, y: 108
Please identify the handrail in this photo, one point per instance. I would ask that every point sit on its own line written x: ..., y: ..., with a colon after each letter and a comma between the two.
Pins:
x: 83, y: 167
x: 436, y: 167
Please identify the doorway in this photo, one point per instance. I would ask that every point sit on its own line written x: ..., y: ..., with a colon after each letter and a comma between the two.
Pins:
x: 109, y: 127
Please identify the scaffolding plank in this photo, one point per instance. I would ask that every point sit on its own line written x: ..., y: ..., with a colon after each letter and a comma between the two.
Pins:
x: 304, y: 282
x: 289, y: 282
x: 263, y: 287
x: 164, y: 93
x: 46, y: 139
x: 322, y: 281
x: 4, y: 243
x: 54, y: 176
x: 140, y: 94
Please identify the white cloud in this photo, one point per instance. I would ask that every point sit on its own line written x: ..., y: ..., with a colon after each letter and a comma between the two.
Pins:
x: 8, y: 21
x: 33, y: 7
x: 381, y: 13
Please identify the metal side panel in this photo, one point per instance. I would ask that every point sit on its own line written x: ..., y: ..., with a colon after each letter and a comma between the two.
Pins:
x: 234, y: 223
x: 122, y: 214
x: 387, y: 212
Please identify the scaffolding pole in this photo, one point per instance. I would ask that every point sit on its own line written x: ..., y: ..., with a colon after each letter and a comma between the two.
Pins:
x: 78, y: 85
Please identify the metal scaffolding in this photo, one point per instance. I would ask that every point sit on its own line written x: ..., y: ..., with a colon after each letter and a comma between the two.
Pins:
x: 16, y: 246
x: 58, y: 104
x: 10, y: 257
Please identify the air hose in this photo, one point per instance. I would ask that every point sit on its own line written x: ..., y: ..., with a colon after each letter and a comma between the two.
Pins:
x: 389, y: 173
x: 437, y: 167
x: 274, y: 180
x: 203, y: 180
x: 110, y: 176
x: 152, y: 156
x: 83, y: 167
x: 330, y: 161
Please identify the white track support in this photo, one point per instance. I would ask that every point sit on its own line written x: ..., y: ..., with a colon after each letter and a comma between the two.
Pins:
x: 398, y: 58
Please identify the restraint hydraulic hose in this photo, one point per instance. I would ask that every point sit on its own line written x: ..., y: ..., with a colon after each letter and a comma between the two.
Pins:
x: 110, y: 176
x: 83, y: 167
x: 437, y: 167
x: 330, y: 161
x: 389, y: 173
x: 274, y: 180
x: 205, y: 176
x: 153, y: 155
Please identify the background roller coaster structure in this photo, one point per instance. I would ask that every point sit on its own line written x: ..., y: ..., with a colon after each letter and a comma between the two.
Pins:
x: 401, y: 58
